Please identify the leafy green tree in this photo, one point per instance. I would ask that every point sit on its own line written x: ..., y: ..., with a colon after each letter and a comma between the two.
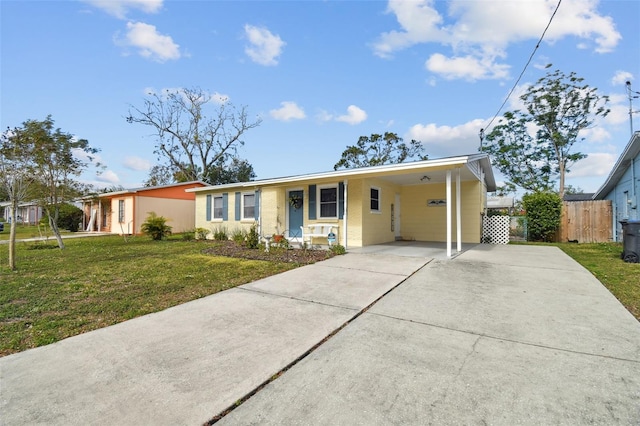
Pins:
x: 190, y: 144
x: 376, y: 150
x: 53, y: 163
x: 156, y: 227
x: 535, y: 148
x: 236, y: 170
x: 543, y: 214
x: 15, y: 179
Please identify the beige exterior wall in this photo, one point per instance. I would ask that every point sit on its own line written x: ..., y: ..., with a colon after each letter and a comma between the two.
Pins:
x: 378, y: 224
x: 180, y: 214
x: 268, y: 199
x: 424, y: 223
x: 126, y: 227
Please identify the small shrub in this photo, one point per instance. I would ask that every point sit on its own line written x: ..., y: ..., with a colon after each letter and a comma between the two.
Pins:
x: 201, y: 233
x: 253, y: 238
x: 238, y: 235
x: 220, y: 233
x: 543, y: 215
x: 337, y: 249
x: 156, y: 227
x: 69, y: 217
x: 189, y: 235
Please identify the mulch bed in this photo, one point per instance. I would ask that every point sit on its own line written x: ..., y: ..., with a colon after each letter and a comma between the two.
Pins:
x: 275, y: 254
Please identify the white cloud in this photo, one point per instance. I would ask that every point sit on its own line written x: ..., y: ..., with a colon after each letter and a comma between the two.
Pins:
x: 446, y: 141
x: 265, y: 47
x: 466, y: 67
x: 353, y: 116
x: 120, y: 8
x: 619, y: 109
x: 596, y: 164
x: 136, y: 163
x: 480, y: 31
x: 150, y: 43
x: 287, y: 112
x: 621, y: 77
x: 108, y: 176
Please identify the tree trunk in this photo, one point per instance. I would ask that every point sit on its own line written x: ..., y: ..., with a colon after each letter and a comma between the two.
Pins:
x: 56, y: 231
x: 562, y: 168
x: 12, y: 235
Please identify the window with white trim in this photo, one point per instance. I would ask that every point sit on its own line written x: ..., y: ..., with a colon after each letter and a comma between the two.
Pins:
x: 121, y: 211
x: 375, y: 200
x: 217, y: 207
x: 249, y: 206
x: 328, y: 202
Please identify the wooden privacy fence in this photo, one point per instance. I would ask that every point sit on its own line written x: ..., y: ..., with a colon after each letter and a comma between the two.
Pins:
x: 586, y: 221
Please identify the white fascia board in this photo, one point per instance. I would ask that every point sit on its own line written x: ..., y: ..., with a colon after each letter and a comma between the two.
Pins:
x: 631, y: 151
x: 346, y: 173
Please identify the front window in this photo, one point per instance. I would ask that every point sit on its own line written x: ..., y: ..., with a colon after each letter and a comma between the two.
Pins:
x: 121, y: 211
x: 329, y: 202
x: 217, y: 207
x: 248, y: 206
x: 375, y: 199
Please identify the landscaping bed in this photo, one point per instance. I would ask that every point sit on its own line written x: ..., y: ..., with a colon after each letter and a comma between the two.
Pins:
x: 275, y: 253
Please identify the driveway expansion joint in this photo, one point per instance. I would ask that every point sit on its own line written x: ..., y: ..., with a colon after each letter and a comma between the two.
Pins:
x: 299, y: 299
x: 505, y: 339
x: 308, y: 352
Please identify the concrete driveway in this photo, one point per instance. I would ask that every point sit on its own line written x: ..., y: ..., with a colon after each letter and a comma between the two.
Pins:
x: 499, y: 335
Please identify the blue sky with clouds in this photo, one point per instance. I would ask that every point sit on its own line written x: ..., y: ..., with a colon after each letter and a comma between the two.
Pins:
x: 318, y: 73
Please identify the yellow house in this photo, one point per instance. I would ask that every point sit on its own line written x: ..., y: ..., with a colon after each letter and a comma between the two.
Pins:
x: 439, y: 200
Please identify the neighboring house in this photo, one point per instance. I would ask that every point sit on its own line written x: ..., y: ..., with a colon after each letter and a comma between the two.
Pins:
x: 123, y: 212
x: 29, y: 213
x: 364, y: 206
x: 622, y: 186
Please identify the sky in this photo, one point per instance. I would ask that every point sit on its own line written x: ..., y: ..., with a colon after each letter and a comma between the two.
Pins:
x: 319, y: 74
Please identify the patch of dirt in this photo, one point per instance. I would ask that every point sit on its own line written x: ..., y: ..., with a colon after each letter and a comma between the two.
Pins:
x: 275, y: 254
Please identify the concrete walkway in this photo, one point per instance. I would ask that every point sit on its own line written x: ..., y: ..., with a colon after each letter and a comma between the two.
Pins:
x: 499, y: 335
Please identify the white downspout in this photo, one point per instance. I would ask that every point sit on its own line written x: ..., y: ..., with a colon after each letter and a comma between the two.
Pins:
x: 458, y: 214
x: 344, y: 216
x: 449, y: 213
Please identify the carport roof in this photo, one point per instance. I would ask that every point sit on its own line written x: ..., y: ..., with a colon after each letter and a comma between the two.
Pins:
x: 402, y: 173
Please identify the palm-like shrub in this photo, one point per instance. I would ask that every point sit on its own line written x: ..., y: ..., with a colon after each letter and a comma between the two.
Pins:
x: 156, y: 227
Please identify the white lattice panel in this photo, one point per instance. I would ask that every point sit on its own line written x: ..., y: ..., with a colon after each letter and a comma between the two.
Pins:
x: 495, y: 229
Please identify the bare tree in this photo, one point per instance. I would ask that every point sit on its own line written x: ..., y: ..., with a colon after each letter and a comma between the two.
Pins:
x: 15, y: 180
x: 191, y: 143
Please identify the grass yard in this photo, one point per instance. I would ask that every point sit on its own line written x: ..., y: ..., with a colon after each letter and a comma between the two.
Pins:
x: 603, y: 261
x: 100, y: 281
x: 30, y: 231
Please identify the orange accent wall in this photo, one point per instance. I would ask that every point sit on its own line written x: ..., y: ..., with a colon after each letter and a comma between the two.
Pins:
x: 175, y: 192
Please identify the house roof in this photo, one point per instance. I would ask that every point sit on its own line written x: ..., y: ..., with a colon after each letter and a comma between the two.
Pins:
x: 630, y: 152
x: 402, y: 173
x: 144, y: 188
x: 578, y: 197
x: 500, y: 202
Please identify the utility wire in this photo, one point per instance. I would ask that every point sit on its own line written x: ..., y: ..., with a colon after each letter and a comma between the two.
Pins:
x: 524, y: 69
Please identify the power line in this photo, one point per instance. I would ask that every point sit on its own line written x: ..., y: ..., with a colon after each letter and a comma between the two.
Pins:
x: 482, y: 131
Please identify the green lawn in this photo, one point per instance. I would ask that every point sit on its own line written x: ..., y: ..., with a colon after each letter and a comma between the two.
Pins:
x: 29, y: 231
x: 99, y: 281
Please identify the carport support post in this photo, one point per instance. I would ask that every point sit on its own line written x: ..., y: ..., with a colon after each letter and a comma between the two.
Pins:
x: 448, y: 213
x: 458, y: 214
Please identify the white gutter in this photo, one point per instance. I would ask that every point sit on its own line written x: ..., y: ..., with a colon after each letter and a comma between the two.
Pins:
x: 336, y: 174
